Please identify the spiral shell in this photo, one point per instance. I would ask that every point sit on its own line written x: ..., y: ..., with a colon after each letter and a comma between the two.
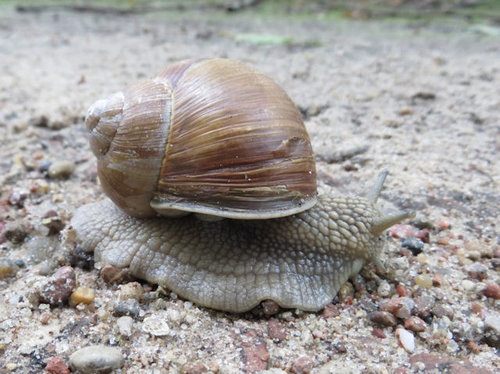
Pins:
x: 208, y: 136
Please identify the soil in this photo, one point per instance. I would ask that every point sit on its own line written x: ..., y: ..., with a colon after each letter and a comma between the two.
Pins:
x: 420, y: 101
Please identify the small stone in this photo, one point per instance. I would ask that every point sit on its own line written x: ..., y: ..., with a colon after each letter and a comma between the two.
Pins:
x: 414, y: 245
x: 303, y: 365
x: 270, y: 308
x: 492, y: 290
x: 401, y: 231
x: 406, y: 339
x: 476, y: 270
x: 52, y: 222
x: 254, y: 353
x: 96, y: 359
x: 56, y: 365
x: 16, y: 231
x: 276, y: 330
x: 330, y: 310
x: 129, y: 307
x: 440, y: 311
x: 402, y: 307
x: 401, y: 290
x: 468, y: 285
x: 442, y: 241
x: 431, y: 363
x: 437, y: 280
x: 114, y: 275
x: 423, y: 280
x: 61, y: 169
x: 415, y: 324
x: 384, y: 289
x: 11, y: 366
x: 59, y: 287
x: 346, y: 291
x: 82, y: 295
x: 476, y: 308
x: 423, y: 306
x: 424, y: 236
x: 378, y: 333
x: 156, y: 325
x: 8, y: 268
x: 383, y: 318
x: 17, y: 198
x: 198, y: 368
x: 125, y: 324
x: 443, y: 225
x: 131, y: 290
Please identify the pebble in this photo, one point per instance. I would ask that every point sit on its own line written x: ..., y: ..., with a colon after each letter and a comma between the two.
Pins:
x: 476, y: 270
x: 16, y: 231
x: 432, y: 363
x: 52, y: 222
x: 125, y: 324
x: 156, y: 325
x: 197, y: 368
x: 56, y: 365
x: 17, y: 198
x: 59, y: 286
x: 492, y: 290
x: 440, y: 311
x: 492, y: 330
x: 129, y: 307
x: 424, y: 235
x: 270, y: 308
x: 346, y: 291
x: 113, y: 274
x: 384, y: 289
x: 423, y: 280
x: 383, y: 318
x: 423, y: 306
x: 415, y: 324
x: 378, y: 333
x: 406, y: 339
x: 468, y: 285
x: 82, y: 295
x: 131, y: 290
x: 8, y: 268
x: 276, y: 330
x: 61, y: 169
x: 415, y: 245
x: 303, y: 365
x: 96, y: 359
x: 401, y: 307
x: 401, y: 231
x: 254, y: 353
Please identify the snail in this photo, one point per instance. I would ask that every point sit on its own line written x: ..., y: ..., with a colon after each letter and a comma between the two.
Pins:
x: 216, y: 138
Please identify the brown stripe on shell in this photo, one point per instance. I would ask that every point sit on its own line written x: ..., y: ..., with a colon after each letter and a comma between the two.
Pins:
x: 237, y: 141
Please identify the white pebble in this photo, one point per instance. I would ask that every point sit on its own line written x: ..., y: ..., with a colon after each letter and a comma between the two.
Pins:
x: 156, y: 325
x: 125, y: 325
x: 384, y: 289
x: 96, y: 359
x: 406, y: 339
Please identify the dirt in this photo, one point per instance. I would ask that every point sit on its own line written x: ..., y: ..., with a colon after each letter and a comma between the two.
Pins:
x: 420, y: 101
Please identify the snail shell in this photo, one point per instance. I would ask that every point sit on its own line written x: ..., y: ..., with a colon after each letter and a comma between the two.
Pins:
x: 213, y: 136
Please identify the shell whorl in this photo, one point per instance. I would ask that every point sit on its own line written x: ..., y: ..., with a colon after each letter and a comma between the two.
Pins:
x: 128, y: 134
x: 209, y: 136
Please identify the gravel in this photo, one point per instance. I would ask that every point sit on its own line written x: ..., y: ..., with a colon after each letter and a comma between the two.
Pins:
x: 420, y: 101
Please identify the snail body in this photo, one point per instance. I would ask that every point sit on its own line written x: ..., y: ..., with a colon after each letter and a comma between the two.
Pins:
x: 281, y: 241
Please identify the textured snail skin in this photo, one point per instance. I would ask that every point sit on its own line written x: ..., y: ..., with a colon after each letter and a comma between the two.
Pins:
x: 299, y: 261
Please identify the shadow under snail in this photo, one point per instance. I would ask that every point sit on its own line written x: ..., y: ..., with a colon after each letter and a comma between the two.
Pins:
x: 216, y: 138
